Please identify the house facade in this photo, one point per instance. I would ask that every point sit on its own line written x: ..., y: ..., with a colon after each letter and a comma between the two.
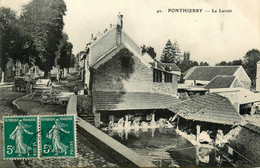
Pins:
x: 202, y: 75
x: 115, y: 63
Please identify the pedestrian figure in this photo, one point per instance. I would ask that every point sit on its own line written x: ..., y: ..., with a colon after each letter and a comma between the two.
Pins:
x: 76, y: 90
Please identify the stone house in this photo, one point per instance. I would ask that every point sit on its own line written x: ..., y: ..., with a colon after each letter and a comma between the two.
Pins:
x: 116, y: 72
x: 202, y: 75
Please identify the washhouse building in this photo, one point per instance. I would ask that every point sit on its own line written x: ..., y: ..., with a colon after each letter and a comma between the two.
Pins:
x: 124, y: 84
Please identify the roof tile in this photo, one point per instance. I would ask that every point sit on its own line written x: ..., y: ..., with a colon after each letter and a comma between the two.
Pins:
x: 207, y: 73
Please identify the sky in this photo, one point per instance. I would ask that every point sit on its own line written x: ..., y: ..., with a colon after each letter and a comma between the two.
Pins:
x: 210, y: 37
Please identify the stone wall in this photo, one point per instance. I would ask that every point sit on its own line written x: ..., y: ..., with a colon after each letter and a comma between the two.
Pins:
x: 113, y: 76
x: 247, y: 143
x: 236, y: 84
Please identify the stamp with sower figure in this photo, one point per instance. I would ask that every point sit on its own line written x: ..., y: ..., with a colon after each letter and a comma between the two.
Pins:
x: 20, y: 137
x: 58, y: 136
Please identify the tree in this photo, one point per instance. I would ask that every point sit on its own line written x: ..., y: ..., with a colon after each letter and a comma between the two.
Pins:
x: 222, y: 63
x: 171, y: 53
x: 64, y: 60
x: 250, y: 60
x: 42, y: 22
x: 235, y: 62
x: 7, y: 20
x: 149, y: 50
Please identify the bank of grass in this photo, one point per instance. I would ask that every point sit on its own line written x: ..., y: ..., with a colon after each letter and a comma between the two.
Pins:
x: 30, y: 106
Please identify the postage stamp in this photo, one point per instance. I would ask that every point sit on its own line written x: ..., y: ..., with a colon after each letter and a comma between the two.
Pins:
x: 58, y: 136
x: 20, y: 137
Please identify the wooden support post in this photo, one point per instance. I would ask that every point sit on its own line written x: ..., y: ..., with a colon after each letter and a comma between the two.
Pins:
x: 178, y: 122
x: 197, y: 162
x: 126, y: 121
x: 198, y: 132
x: 153, y: 116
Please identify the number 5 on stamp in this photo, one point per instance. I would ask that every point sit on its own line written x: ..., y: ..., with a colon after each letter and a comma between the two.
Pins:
x: 20, y: 137
x: 58, y: 136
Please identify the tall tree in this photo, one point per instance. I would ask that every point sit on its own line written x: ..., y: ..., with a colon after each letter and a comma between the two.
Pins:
x: 42, y: 21
x: 171, y: 53
x: 65, y: 58
x: 250, y: 60
x: 7, y: 20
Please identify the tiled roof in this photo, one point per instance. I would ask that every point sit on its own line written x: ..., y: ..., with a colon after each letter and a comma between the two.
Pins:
x: 166, y: 66
x: 115, y: 101
x: 220, y: 81
x: 209, y: 108
x: 207, y: 73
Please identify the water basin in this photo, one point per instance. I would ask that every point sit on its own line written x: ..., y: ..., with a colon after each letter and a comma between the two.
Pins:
x: 165, y: 148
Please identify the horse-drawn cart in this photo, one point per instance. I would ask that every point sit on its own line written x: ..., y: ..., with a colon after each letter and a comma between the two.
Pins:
x: 22, y: 84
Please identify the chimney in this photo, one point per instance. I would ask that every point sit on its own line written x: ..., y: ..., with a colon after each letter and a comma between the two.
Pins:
x: 110, y: 25
x: 92, y: 36
x: 119, y: 29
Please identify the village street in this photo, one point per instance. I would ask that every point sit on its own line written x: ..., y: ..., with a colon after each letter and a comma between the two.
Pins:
x: 87, y: 157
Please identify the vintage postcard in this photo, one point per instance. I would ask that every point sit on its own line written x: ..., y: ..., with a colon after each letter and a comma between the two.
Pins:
x: 149, y: 83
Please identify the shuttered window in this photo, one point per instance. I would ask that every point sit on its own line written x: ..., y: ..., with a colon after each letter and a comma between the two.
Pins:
x: 157, y: 76
x: 167, y: 77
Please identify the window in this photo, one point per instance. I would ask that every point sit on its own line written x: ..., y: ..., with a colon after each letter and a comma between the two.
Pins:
x: 167, y: 77
x: 157, y: 76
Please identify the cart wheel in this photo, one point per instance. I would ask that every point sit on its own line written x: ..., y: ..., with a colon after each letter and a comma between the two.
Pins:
x: 41, y: 102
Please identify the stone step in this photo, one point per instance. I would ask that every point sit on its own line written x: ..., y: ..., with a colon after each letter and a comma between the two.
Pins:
x: 86, y: 115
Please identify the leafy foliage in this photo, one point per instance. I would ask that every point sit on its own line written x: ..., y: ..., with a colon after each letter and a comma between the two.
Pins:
x: 65, y: 56
x: 149, y: 50
x: 171, y: 53
x: 235, y: 62
x: 42, y: 22
x: 250, y: 60
x: 7, y: 20
x: 127, y: 61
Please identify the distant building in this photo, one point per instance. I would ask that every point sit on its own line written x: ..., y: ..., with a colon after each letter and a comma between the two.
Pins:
x: 223, y: 81
x: 15, y: 69
x: 242, y: 99
x: 186, y: 56
x: 202, y: 75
